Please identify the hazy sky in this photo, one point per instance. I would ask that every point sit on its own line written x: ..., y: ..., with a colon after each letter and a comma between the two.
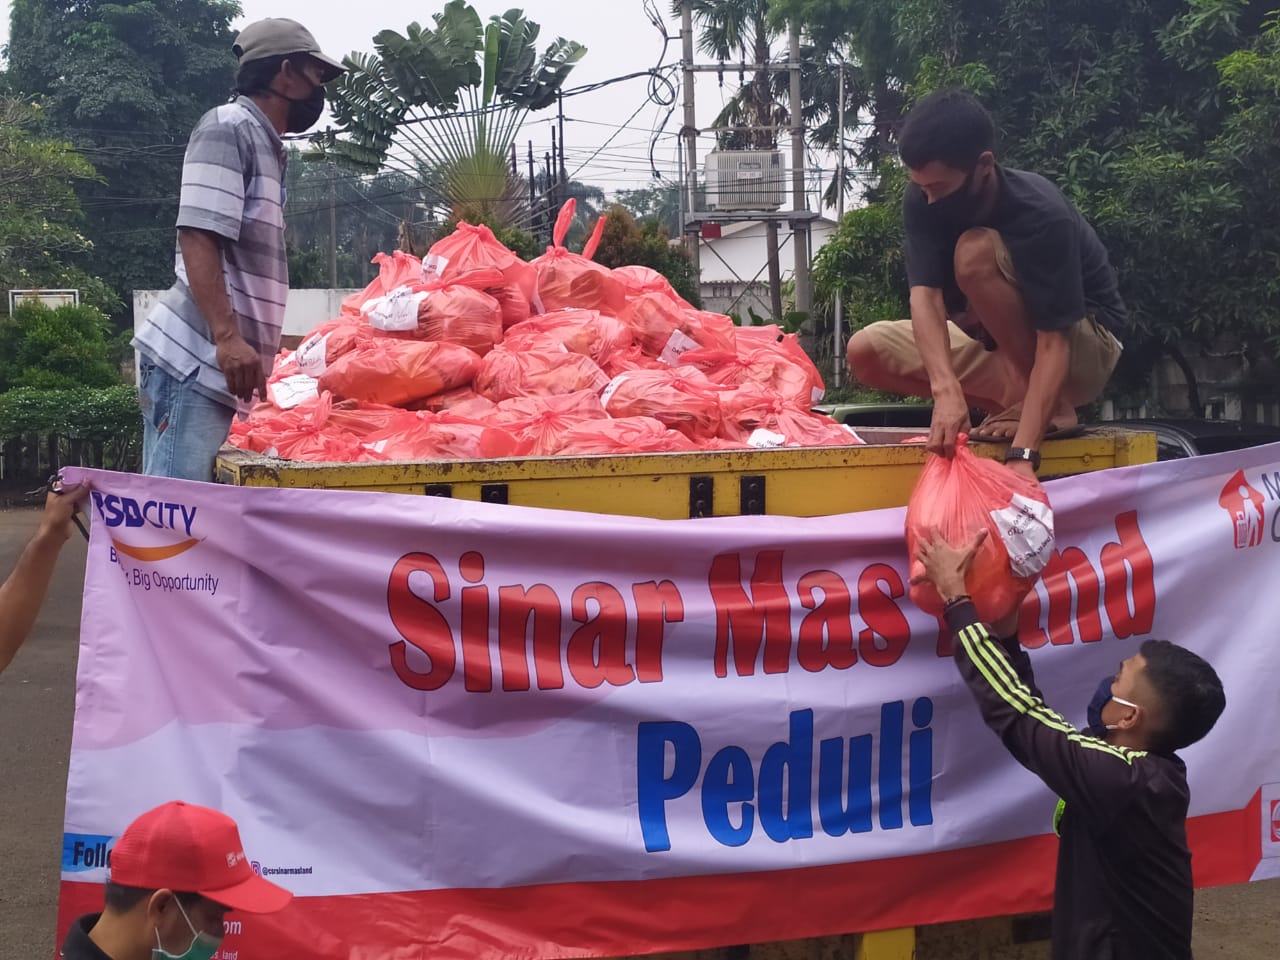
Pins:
x: 608, y: 131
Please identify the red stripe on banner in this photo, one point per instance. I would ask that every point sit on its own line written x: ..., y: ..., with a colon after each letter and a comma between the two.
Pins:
x: 688, y: 913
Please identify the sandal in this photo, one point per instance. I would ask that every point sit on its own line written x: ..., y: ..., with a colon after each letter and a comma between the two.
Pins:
x: 1013, y: 416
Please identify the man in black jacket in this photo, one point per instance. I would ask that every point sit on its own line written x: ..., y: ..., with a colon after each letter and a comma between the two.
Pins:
x: 1123, y: 888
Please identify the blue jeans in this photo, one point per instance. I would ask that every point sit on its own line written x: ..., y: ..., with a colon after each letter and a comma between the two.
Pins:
x: 182, y: 428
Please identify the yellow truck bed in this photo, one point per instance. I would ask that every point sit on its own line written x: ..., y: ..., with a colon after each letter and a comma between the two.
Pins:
x: 802, y: 482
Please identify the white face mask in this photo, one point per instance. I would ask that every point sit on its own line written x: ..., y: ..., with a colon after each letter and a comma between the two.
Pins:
x: 202, y: 946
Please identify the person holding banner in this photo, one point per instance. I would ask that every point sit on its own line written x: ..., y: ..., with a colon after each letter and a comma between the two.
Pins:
x: 1123, y: 886
x: 22, y: 593
x: 175, y: 873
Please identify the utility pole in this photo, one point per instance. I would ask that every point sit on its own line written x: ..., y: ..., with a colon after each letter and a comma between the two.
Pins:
x: 690, y: 132
x: 333, y: 232
x: 799, y: 229
x: 533, y: 197
x: 564, y: 172
x: 837, y: 340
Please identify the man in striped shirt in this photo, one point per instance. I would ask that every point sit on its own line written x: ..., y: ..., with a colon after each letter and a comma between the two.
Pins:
x: 210, y: 341
x: 1123, y: 888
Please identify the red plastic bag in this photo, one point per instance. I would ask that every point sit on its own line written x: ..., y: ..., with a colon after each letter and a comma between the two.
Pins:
x: 587, y: 332
x: 397, y: 269
x: 396, y: 372
x: 622, y: 435
x: 666, y: 330
x: 959, y: 497
x: 637, y: 281
x: 539, y: 423
x: 327, y: 342
x: 756, y: 417
x: 423, y: 435
x: 569, y: 281
x: 773, y: 340
x: 681, y: 398
x: 504, y: 374
x: 773, y: 370
x: 452, y: 311
x: 460, y: 401
x: 475, y: 247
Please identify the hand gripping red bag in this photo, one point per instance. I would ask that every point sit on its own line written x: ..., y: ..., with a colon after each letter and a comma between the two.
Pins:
x: 567, y: 280
x: 396, y: 372
x: 623, y: 435
x: 682, y: 398
x: 957, y: 498
x: 588, y: 332
x: 504, y: 374
x: 475, y: 247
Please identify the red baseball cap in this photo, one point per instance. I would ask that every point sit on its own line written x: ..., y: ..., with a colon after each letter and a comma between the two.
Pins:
x: 190, y: 849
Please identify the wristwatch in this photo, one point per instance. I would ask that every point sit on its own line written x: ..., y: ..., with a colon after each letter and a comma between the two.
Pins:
x: 1022, y: 453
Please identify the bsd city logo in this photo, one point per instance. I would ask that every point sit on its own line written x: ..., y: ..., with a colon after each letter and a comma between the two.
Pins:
x: 1247, y: 509
x: 147, y: 531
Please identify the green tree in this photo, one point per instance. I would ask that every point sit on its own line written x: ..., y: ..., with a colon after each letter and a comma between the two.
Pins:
x: 41, y: 238
x: 452, y: 99
x: 56, y: 349
x: 659, y: 204
x: 367, y: 213
x: 125, y: 82
x: 628, y: 243
x: 1157, y: 119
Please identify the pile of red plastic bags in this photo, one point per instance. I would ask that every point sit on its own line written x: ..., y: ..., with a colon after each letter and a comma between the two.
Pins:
x: 472, y: 352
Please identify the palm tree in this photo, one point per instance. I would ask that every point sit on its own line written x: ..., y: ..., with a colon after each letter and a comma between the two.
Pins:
x: 449, y: 100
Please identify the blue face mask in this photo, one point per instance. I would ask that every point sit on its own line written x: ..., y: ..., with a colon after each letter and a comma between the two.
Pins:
x: 1101, y: 696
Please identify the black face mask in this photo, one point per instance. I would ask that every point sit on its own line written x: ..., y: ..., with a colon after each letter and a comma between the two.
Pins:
x: 305, y: 111
x: 960, y: 207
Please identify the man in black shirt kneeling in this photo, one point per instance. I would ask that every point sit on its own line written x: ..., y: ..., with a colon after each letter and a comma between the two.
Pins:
x: 1123, y: 889
x: 1014, y: 304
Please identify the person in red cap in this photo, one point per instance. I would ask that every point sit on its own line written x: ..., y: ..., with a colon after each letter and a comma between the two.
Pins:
x: 175, y: 873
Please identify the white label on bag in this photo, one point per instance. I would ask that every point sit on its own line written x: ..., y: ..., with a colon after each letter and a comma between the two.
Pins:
x: 816, y: 394
x: 434, y: 266
x: 763, y: 439
x: 398, y: 311
x: 292, y: 391
x: 1026, y: 527
x: 611, y: 389
x: 311, y: 355
x: 678, y: 344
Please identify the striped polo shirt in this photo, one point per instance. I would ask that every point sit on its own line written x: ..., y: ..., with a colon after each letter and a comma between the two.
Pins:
x: 232, y: 186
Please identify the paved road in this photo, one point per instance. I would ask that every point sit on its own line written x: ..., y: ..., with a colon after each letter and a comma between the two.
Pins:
x: 36, y: 703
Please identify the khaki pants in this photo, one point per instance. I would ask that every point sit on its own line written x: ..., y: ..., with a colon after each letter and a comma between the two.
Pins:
x: 984, y: 373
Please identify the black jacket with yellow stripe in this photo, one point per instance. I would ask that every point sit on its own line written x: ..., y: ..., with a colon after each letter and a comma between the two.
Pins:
x: 1123, y: 887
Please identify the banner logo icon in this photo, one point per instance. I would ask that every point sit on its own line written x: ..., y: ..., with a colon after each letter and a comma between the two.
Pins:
x: 1246, y: 508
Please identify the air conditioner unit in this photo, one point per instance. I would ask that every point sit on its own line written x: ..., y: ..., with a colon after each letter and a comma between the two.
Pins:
x: 746, y: 180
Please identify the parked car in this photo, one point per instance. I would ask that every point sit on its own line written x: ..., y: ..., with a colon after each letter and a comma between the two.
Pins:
x: 1176, y: 438
x: 1179, y: 438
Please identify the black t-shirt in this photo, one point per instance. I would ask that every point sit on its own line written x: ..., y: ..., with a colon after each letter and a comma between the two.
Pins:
x: 1062, y: 268
x: 78, y: 946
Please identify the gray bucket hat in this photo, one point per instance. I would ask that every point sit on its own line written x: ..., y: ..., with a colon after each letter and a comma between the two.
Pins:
x: 279, y: 37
